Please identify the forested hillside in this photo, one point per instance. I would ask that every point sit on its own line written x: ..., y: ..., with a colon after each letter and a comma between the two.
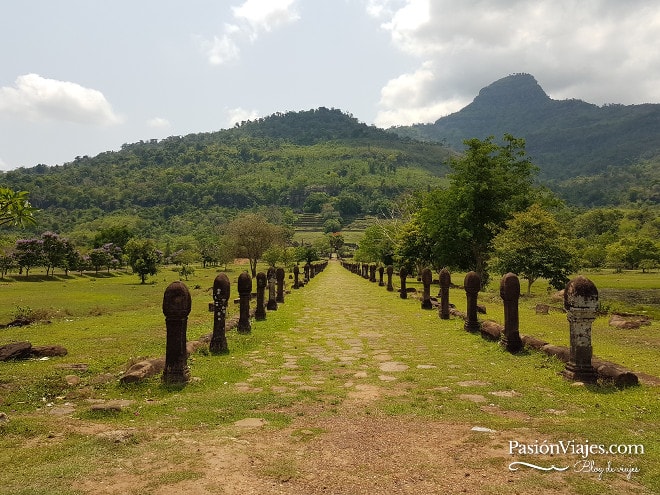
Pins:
x: 590, y: 155
x: 283, y: 163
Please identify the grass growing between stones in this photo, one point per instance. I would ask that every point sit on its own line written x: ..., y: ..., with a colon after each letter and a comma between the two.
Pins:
x: 338, y: 350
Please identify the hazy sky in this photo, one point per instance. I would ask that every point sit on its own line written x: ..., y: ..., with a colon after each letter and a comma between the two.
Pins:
x: 78, y: 77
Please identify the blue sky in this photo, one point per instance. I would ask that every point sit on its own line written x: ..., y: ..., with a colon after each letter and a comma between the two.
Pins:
x: 80, y: 77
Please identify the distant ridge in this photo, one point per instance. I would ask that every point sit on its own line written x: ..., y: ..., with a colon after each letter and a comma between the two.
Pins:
x: 566, y: 138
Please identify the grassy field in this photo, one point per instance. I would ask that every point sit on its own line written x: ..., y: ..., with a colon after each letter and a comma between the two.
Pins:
x: 298, y: 372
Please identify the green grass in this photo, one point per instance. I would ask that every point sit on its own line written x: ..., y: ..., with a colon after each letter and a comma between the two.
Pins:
x: 292, y: 363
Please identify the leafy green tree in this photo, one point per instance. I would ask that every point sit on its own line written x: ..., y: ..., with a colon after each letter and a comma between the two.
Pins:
x: 306, y: 253
x: 336, y: 240
x: 115, y: 234
x: 100, y: 258
x: 315, y: 201
x: 377, y: 244
x: 143, y: 257
x: 533, y: 245
x: 414, y: 247
x: 15, y: 208
x: 252, y: 235
x: 348, y: 204
x: 332, y: 225
x: 489, y: 183
x: 29, y: 253
x: 630, y: 251
x: 55, y: 250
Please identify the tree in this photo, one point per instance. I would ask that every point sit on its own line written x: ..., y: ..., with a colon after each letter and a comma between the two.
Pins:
x: 336, y: 240
x: 252, y: 235
x: 488, y: 183
x: 29, y: 253
x: 143, y: 257
x: 377, y: 244
x: 115, y: 234
x: 533, y: 245
x: 15, y: 208
x: 100, y: 258
x: 414, y: 248
x: 55, y: 249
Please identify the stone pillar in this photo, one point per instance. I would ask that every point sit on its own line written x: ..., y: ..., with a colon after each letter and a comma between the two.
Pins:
x: 279, y: 275
x: 390, y: 271
x: 296, y: 275
x: 445, y: 282
x: 221, y: 291
x: 372, y: 273
x: 381, y: 270
x: 306, y: 268
x: 403, y: 274
x: 244, y: 294
x: 427, y: 278
x: 262, y: 281
x: 272, y: 291
x: 472, y: 286
x: 581, y: 303
x: 510, y: 294
x: 176, y: 308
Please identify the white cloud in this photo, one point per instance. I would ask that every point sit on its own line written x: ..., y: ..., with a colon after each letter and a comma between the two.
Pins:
x: 265, y: 15
x: 251, y: 19
x: 237, y: 115
x: 36, y: 98
x: 603, y: 51
x: 158, y: 123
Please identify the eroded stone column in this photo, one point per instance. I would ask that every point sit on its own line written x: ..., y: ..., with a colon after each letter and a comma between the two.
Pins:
x: 244, y: 294
x: 472, y: 286
x: 296, y: 276
x: 272, y: 290
x: 445, y: 282
x: 427, y: 278
x: 176, y: 308
x: 260, y: 313
x: 403, y: 275
x: 381, y: 271
x: 279, y: 276
x: 510, y: 294
x: 581, y: 304
x: 221, y: 291
x: 390, y: 271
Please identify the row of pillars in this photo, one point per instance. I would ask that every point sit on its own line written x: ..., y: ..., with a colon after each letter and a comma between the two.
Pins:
x: 580, y: 302
x: 177, y: 304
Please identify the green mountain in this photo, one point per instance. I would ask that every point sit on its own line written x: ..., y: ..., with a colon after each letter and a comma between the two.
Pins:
x: 296, y: 161
x: 590, y: 155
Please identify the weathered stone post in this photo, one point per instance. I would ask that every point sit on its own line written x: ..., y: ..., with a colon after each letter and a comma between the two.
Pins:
x: 176, y: 308
x: 244, y: 294
x: 307, y: 268
x: 403, y: 274
x: 390, y: 271
x: 581, y: 303
x: 510, y: 294
x: 260, y: 313
x: 472, y: 286
x: 372, y: 273
x: 445, y: 282
x: 296, y: 275
x: 381, y: 270
x: 272, y: 291
x: 427, y: 278
x: 279, y: 275
x: 221, y: 291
